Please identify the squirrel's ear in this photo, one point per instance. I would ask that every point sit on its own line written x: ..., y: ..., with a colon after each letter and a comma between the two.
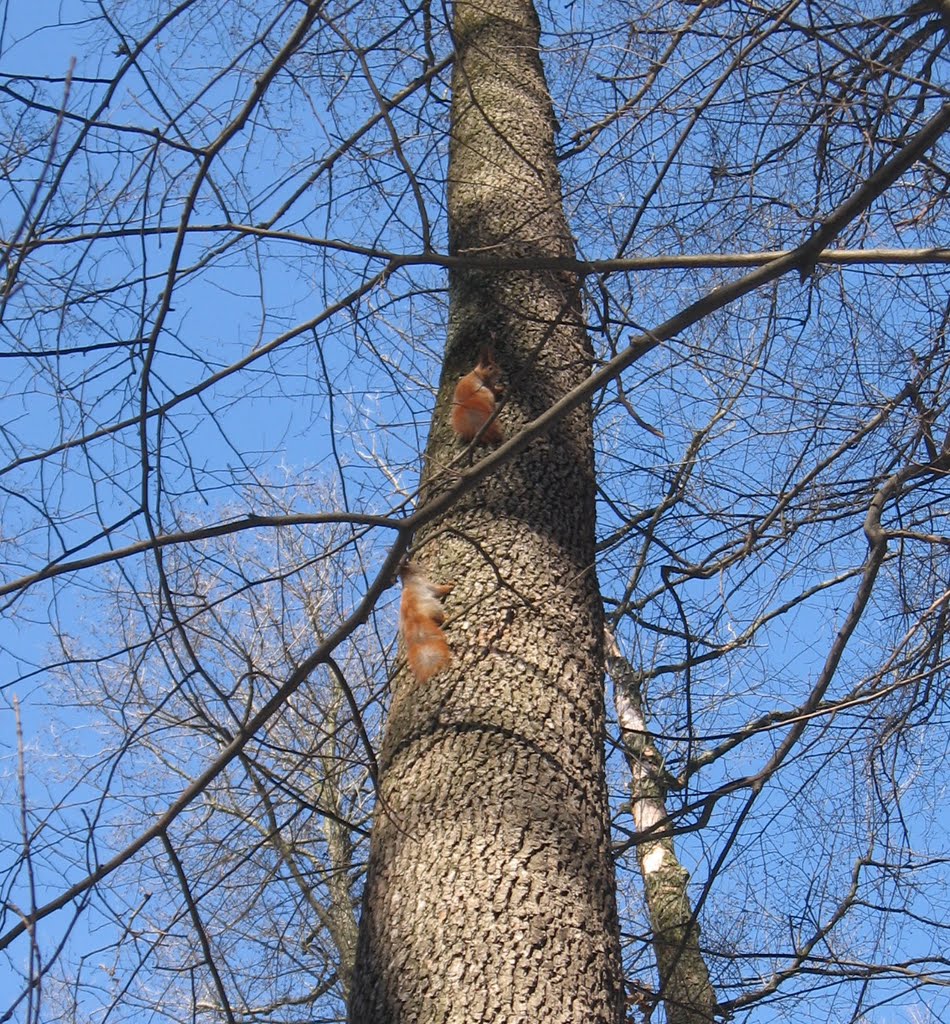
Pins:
x: 486, y: 355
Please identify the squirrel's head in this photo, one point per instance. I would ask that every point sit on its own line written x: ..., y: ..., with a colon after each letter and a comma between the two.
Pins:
x: 408, y: 570
x: 486, y: 367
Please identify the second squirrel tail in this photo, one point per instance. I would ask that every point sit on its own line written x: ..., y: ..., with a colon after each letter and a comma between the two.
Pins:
x: 426, y: 650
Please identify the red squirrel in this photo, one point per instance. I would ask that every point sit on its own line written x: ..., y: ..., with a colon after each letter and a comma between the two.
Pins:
x: 474, y: 401
x: 420, y: 617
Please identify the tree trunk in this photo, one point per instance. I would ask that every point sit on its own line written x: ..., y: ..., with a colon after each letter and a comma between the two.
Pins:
x: 490, y: 890
x: 685, y: 989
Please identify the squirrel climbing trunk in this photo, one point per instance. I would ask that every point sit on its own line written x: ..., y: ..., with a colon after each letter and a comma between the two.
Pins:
x: 420, y: 621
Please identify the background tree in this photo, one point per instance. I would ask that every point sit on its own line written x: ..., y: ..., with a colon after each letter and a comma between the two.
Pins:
x: 225, y: 247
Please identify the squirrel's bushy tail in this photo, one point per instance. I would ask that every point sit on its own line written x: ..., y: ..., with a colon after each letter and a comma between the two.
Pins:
x: 427, y: 651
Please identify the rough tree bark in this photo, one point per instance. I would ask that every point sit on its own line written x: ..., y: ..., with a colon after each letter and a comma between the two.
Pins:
x: 490, y: 890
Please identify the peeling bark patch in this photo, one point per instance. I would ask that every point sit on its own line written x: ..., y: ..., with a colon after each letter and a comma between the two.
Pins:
x: 653, y: 861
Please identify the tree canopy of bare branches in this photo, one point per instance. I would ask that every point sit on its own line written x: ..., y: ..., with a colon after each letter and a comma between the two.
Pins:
x: 238, y: 284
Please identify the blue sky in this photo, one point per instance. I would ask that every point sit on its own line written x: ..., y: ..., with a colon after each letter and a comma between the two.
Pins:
x: 346, y: 402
